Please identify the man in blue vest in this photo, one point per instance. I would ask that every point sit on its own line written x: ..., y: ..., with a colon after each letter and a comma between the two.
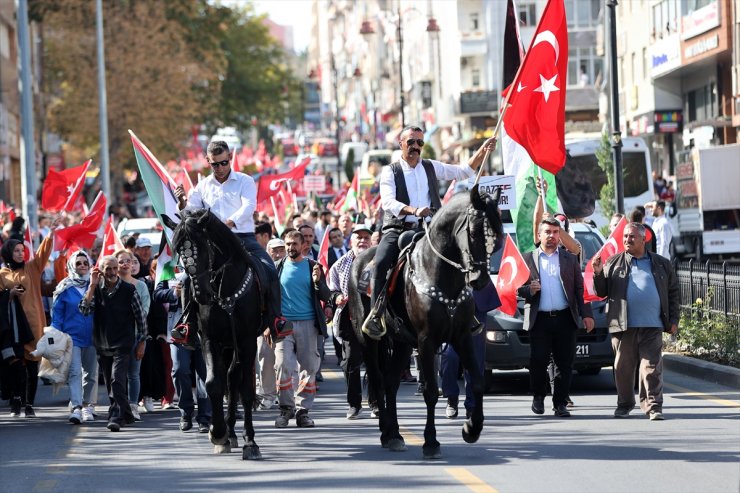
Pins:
x: 409, y: 193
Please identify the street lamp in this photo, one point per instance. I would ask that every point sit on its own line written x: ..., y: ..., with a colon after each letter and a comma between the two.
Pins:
x: 614, y: 93
x: 432, y: 29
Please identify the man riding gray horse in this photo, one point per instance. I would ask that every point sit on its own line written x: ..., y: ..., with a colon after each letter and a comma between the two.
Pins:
x: 409, y: 192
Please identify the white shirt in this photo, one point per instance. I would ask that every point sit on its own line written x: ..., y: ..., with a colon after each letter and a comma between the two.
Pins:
x: 417, y: 184
x: 663, y: 236
x: 234, y: 199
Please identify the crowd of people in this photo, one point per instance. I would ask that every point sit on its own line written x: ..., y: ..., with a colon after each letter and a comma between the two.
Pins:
x: 143, y: 336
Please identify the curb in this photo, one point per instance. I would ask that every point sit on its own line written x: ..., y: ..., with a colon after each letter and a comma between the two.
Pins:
x: 712, y: 372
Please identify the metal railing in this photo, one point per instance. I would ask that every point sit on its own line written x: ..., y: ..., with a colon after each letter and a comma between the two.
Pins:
x: 717, y: 283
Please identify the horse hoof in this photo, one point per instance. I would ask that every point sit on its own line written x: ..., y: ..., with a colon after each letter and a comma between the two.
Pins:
x: 218, y: 441
x: 432, y: 453
x: 396, y: 445
x: 222, y: 449
x: 470, y: 432
x: 251, y: 452
x: 234, y: 442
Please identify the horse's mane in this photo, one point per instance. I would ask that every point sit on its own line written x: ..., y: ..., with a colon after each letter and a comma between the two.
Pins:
x: 451, y: 210
x: 218, y: 231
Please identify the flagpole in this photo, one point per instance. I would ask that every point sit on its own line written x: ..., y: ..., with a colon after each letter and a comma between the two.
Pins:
x: 496, y: 131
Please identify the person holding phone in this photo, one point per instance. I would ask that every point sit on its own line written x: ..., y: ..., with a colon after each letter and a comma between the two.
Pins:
x: 23, y: 279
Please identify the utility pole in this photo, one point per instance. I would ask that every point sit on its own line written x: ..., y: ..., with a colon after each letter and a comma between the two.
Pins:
x: 102, y: 104
x: 611, y: 25
x: 400, y: 68
x: 28, y: 148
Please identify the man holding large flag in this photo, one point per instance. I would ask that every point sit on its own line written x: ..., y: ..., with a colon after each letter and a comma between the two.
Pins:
x: 409, y: 191
x: 232, y: 197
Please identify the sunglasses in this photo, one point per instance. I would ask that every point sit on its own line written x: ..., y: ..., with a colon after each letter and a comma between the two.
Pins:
x: 216, y: 164
x: 418, y: 142
x: 124, y: 261
x: 78, y: 264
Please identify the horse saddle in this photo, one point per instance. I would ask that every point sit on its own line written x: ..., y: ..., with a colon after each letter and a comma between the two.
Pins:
x: 406, y: 242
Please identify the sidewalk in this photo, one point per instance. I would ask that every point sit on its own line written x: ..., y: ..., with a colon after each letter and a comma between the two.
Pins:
x: 712, y: 372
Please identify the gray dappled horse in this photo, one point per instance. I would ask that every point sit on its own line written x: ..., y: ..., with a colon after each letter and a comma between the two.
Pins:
x: 433, y: 300
x: 229, y: 319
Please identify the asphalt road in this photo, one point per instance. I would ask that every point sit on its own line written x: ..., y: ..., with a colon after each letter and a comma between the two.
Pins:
x: 697, y: 448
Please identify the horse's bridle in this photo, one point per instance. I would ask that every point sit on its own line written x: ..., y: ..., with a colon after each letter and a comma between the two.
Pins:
x: 465, y: 252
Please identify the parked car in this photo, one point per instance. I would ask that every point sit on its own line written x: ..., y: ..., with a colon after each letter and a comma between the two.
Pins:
x: 372, y: 164
x: 507, y: 343
x: 146, y: 227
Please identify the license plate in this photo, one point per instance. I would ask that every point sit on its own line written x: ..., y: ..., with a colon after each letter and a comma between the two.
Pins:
x: 582, y: 351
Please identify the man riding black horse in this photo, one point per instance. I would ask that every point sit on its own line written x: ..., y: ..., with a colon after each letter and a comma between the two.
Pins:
x: 232, y: 197
x: 408, y: 195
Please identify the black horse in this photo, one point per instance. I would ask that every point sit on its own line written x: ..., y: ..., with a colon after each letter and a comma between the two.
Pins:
x: 227, y: 292
x: 433, y: 299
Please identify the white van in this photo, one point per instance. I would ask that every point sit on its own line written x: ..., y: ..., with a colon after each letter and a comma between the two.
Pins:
x: 359, y: 148
x: 372, y: 164
x: 638, y: 186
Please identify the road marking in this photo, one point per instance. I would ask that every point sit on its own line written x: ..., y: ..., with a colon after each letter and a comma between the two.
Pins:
x: 409, y: 437
x: 473, y: 482
x: 329, y: 374
x: 709, y: 397
x: 45, y: 485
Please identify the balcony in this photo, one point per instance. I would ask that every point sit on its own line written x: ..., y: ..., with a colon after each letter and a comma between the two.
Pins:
x: 473, y: 43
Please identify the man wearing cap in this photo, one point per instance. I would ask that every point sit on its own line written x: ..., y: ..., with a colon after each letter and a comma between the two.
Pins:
x: 232, y: 197
x: 409, y: 193
x: 276, y: 249
x: 143, y: 252
x: 339, y: 275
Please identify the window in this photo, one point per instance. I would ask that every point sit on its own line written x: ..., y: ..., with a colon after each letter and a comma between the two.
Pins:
x: 585, y: 68
x: 582, y: 13
x: 701, y: 104
x: 476, y: 77
x: 527, y: 14
x: 689, y: 6
x: 474, y: 22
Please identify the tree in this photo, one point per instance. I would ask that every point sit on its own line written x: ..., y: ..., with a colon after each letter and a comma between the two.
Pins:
x: 349, y: 165
x: 607, y: 194
x: 427, y: 152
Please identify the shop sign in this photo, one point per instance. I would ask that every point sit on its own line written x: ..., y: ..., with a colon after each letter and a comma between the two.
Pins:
x: 700, y: 21
x: 665, y: 55
x: 668, y: 122
x: 701, y: 46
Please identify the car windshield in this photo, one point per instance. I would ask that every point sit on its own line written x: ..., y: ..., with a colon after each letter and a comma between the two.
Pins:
x: 635, y: 172
x: 590, y: 242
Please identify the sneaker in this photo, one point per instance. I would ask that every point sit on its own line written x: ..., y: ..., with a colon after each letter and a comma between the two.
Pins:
x: 186, y: 423
x: 203, y: 427
x: 87, y: 414
x: 623, y: 412
x: 148, y: 405
x: 570, y: 402
x: 113, y: 426
x: 135, y: 411
x: 656, y: 416
x: 303, y: 420
x: 92, y: 410
x: 76, y: 416
x: 561, y: 411
x: 15, y: 407
x: 264, y: 405
x: 286, y: 414
x: 374, y: 413
x: 354, y: 412
x: 451, y: 410
x: 29, y: 412
x: 168, y: 405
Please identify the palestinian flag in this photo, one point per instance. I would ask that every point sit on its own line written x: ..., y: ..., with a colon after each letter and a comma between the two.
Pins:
x: 161, y: 190
x: 351, y: 200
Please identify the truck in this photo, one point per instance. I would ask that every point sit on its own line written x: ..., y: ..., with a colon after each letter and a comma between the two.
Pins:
x: 707, y: 208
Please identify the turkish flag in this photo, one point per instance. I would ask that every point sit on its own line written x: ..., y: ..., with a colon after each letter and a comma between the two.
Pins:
x: 535, y: 113
x: 613, y: 245
x: 269, y: 185
x: 62, y: 188
x: 512, y: 274
x: 111, y: 242
x: 235, y: 162
x: 84, y: 233
x: 28, y: 243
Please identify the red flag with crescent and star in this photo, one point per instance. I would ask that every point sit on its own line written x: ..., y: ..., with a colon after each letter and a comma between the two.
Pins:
x: 613, y: 246
x: 512, y: 274
x: 269, y: 185
x: 62, y: 188
x: 535, y: 113
x: 83, y: 235
x: 111, y: 241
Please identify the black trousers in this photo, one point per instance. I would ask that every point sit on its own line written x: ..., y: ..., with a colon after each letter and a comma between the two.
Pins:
x: 556, y: 336
x: 115, y: 363
x: 385, y: 258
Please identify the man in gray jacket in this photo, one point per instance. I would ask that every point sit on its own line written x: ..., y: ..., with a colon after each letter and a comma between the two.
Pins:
x: 642, y: 291
x: 552, y: 312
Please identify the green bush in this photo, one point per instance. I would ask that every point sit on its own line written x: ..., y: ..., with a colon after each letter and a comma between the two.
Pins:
x: 427, y: 152
x: 707, y: 335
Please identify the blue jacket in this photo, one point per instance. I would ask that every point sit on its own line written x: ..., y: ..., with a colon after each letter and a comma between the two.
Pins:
x: 66, y: 316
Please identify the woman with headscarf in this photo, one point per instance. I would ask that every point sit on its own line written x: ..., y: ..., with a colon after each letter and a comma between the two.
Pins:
x: 66, y: 316
x: 24, y: 278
